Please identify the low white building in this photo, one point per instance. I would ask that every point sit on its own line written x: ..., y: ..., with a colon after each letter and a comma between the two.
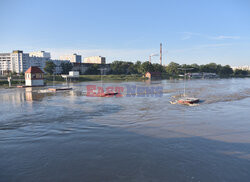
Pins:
x: 74, y: 73
x: 95, y: 60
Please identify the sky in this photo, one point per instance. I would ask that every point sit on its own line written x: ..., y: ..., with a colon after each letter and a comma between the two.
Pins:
x: 191, y: 31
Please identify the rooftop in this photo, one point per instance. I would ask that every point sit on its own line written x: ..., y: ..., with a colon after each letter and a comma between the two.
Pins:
x: 34, y: 69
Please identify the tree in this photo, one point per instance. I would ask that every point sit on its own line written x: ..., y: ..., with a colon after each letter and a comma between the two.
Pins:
x: 173, y: 68
x: 226, y: 70
x: 158, y: 68
x: 209, y: 68
x: 93, y: 70
x: 122, y: 67
x: 146, y: 67
x: 137, y: 66
x: 66, y: 67
x: 49, y: 67
x: 13, y: 73
x: 239, y: 72
x: 196, y: 68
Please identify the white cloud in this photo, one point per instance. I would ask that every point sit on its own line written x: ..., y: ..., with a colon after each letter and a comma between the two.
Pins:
x: 189, y: 35
x: 223, y: 37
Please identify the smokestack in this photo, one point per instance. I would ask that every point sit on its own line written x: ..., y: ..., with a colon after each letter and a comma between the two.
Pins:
x: 161, y: 54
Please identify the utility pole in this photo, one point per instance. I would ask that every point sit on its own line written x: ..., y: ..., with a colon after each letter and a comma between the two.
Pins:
x: 161, y: 54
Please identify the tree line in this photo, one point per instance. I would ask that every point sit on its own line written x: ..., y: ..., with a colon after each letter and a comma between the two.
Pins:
x: 172, y: 69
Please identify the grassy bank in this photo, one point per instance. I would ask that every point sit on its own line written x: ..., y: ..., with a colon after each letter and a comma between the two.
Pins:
x: 6, y: 83
x: 82, y: 78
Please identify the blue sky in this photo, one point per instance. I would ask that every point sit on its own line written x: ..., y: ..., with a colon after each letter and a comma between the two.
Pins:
x: 192, y: 31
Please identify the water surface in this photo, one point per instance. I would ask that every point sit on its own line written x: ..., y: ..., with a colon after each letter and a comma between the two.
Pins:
x: 67, y: 136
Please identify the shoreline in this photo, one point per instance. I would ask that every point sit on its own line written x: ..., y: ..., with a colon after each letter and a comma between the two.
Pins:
x: 57, y: 79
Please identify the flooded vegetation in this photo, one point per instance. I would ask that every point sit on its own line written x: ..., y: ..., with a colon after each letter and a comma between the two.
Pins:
x: 67, y: 136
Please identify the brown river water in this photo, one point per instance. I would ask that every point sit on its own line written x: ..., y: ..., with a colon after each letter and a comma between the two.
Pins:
x: 66, y: 136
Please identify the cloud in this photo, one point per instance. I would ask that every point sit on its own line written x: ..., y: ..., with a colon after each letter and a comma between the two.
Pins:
x: 189, y: 35
x: 223, y: 37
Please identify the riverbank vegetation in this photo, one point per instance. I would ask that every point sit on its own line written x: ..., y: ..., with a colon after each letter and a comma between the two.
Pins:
x: 171, y: 70
x: 138, y: 68
x: 129, y: 71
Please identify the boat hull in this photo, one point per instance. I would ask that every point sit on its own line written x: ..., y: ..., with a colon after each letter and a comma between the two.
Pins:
x: 188, y: 101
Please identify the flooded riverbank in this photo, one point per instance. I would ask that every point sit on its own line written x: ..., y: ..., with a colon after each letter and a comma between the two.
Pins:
x: 67, y: 136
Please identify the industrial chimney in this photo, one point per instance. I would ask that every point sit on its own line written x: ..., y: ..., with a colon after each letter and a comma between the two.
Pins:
x: 161, y: 54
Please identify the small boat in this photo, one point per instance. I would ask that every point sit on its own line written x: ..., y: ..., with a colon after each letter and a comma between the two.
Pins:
x: 59, y: 89
x: 188, y: 100
x: 107, y: 94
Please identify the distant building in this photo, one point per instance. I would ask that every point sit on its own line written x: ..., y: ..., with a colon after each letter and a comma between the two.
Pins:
x: 5, y: 63
x: 74, y: 73
x: 210, y: 75
x: 40, y: 54
x: 17, y: 61
x: 247, y: 68
x: 83, y: 67
x: 39, y: 59
x: 153, y: 75
x: 202, y: 75
x: 95, y: 60
x: 195, y: 75
x: 74, y: 58
x: 34, y: 76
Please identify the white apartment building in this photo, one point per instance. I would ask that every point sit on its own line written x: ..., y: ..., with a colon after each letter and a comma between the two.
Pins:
x: 74, y: 58
x: 95, y: 60
x: 5, y: 63
x: 19, y: 62
x: 40, y: 54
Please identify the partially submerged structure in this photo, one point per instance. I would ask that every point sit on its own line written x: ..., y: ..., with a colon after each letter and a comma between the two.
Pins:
x: 34, y: 77
x: 153, y: 75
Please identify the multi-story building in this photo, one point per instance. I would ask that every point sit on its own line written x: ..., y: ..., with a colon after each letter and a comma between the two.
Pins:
x: 40, y: 54
x: 19, y: 62
x: 39, y: 59
x: 95, y: 60
x: 74, y: 58
x: 5, y: 63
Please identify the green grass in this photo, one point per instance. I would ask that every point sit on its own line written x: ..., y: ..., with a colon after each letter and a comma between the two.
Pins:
x: 111, y: 77
x: 82, y: 78
x: 5, y: 83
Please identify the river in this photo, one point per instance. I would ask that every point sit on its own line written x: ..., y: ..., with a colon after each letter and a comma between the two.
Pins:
x: 66, y: 136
